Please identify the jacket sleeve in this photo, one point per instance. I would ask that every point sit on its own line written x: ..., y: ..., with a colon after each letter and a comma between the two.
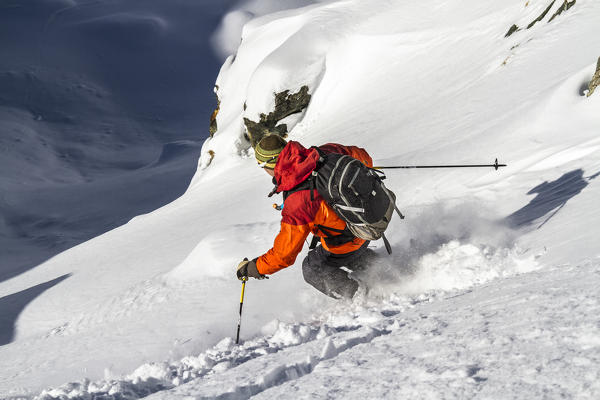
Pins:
x: 297, y: 217
x: 288, y: 243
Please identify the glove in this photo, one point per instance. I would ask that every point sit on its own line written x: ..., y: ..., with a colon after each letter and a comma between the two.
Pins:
x: 248, y: 269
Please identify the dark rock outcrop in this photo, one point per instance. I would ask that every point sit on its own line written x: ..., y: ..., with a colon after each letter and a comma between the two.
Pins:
x: 213, y: 118
x: 512, y: 30
x: 211, y: 153
x: 595, y: 80
x: 286, y: 104
x: 542, y: 15
x: 566, y: 5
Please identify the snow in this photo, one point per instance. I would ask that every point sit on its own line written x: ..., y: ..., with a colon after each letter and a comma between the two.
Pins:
x: 92, y: 95
x: 491, y: 291
x: 459, y: 346
x: 451, y: 344
x: 226, y: 39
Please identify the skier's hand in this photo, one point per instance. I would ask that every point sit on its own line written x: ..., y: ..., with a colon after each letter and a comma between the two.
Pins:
x: 248, y: 269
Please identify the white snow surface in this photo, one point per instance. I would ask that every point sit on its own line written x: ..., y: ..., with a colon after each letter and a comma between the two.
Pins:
x: 491, y: 291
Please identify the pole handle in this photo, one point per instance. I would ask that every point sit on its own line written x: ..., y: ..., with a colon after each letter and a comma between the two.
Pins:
x: 244, y: 279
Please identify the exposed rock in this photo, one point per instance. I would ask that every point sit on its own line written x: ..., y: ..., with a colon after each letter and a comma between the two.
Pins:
x: 212, y: 155
x: 595, y: 80
x: 212, y: 128
x: 286, y: 104
x: 257, y: 130
x: 512, y: 30
x: 542, y: 15
x: 566, y: 5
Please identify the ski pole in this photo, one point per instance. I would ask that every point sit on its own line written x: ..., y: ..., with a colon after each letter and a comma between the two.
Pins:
x: 237, y: 338
x: 495, y: 165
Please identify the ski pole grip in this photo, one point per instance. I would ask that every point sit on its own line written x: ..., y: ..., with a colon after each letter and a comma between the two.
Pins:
x: 244, y: 279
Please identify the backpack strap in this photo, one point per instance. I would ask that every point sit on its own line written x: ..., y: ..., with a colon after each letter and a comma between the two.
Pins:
x: 381, y: 174
x: 314, y: 242
x: 272, y: 192
x: 305, y: 185
x: 387, y: 244
x: 322, y: 155
x: 343, y: 235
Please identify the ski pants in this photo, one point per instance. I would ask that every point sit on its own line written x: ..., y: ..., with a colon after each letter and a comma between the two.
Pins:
x: 322, y: 270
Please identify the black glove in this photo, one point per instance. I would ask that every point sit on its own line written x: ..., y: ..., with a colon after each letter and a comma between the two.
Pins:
x: 248, y: 269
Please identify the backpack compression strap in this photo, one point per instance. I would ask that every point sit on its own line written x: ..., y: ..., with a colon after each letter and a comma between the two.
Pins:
x: 343, y: 235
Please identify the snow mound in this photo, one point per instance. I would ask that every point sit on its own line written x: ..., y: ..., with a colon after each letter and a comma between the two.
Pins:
x: 226, y: 39
x: 211, y: 257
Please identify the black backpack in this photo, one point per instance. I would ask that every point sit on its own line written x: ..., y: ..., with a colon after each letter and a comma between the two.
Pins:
x: 355, y: 192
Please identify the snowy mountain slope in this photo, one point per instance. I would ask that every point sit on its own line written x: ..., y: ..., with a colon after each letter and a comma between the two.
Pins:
x: 459, y: 345
x: 412, y: 86
x: 91, y: 95
x: 452, y: 344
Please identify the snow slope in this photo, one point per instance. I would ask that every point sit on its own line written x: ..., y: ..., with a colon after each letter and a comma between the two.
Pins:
x: 100, y: 118
x: 457, y: 345
x: 491, y: 290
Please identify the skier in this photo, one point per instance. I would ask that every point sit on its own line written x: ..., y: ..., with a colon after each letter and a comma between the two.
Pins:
x: 290, y: 164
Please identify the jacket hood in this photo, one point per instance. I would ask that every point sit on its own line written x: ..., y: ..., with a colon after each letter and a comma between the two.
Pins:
x: 294, y: 165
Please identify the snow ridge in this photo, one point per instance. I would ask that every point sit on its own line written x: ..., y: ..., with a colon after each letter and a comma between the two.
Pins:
x: 155, y: 377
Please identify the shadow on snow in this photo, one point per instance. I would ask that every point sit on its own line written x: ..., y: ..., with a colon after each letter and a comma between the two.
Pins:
x: 98, y: 89
x: 12, y: 305
x: 550, y: 199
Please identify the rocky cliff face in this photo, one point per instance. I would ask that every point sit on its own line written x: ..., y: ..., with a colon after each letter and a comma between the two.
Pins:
x: 595, y: 80
x: 286, y: 104
x: 562, y: 8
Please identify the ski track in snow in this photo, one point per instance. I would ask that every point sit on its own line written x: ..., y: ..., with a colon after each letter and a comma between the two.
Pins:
x: 419, y: 338
x: 293, y: 350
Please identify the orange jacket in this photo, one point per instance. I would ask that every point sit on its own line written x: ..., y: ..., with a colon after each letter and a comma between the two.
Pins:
x: 301, y: 215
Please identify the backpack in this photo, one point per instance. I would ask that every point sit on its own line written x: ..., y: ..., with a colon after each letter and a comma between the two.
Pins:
x: 355, y: 192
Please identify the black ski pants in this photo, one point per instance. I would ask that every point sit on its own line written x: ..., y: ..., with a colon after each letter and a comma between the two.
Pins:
x: 322, y: 270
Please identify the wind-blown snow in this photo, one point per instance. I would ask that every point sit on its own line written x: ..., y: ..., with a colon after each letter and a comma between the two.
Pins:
x: 491, y: 290
x: 226, y: 39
